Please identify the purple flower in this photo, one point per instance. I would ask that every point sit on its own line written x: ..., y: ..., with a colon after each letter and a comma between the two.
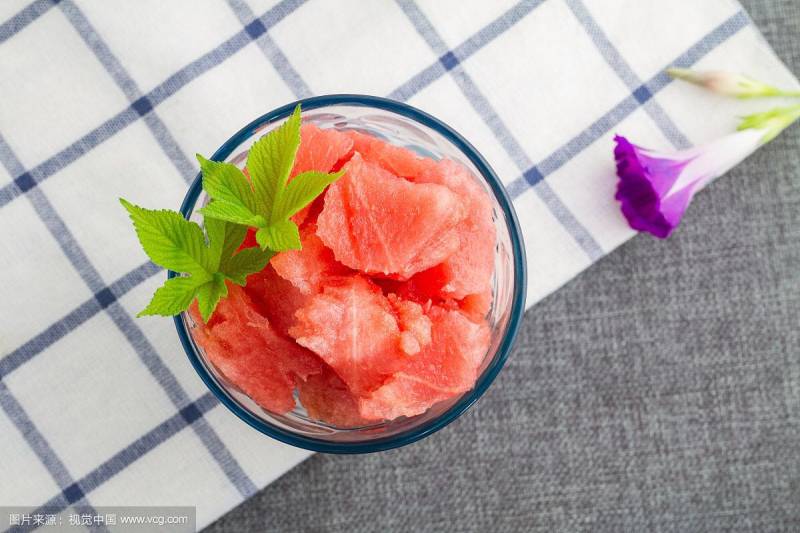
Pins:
x: 656, y: 188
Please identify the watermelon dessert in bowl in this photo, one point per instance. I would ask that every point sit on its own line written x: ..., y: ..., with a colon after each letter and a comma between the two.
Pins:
x: 402, y: 302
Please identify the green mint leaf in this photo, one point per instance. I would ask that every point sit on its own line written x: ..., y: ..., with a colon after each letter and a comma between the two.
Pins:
x: 282, y: 235
x: 223, y: 238
x: 265, y: 202
x: 209, y: 295
x: 224, y: 182
x: 180, y: 245
x: 174, y: 297
x: 301, y: 191
x: 169, y: 240
x: 238, y: 214
x: 248, y: 261
x: 271, y: 158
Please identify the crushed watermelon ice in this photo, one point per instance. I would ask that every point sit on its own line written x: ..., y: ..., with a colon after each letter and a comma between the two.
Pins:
x: 379, y: 224
x: 382, y: 313
x: 321, y: 150
x: 447, y: 367
x: 308, y: 268
x: 466, y: 271
x: 399, y: 161
x: 275, y: 298
x: 326, y: 397
x: 351, y: 326
x: 251, y: 354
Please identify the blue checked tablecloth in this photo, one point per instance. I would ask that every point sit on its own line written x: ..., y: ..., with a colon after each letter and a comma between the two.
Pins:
x: 106, y: 99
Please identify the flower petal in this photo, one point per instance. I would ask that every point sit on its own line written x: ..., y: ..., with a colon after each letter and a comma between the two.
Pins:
x: 643, y: 180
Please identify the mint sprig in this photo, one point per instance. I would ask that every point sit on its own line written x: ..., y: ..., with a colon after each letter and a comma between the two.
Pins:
x: 267, y: 199
x: 173, y: 242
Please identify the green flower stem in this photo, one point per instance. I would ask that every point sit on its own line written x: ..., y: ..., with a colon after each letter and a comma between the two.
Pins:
x: 773, y: 122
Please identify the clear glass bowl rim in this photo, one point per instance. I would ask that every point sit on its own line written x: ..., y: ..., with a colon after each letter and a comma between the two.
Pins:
x: 518, y: 296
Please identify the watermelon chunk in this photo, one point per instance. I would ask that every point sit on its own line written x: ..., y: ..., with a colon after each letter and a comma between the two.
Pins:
x: 275, y: 298
x: 423, y: 287
x: 396, y: 159
x: 320, y: 149
x: 364, y: 143
x: 307, y: 268
x: 415, y: 326
x: 272, y: 295
x: 352, y: 327
x: 326, y: 397
x: 477, y: 306
x: 445, y: 368
x: 379, y: 224
x: 310, y: 212
x: 244, y: 347
x: 469, y: 270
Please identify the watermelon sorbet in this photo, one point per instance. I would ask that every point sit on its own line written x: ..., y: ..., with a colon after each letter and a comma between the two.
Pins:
x: 383, y: 312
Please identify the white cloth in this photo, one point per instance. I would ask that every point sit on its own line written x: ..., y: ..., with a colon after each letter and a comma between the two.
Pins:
x: 113, y: 98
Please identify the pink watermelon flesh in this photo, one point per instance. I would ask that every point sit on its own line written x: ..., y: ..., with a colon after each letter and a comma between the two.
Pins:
x: 422, y: 287
x: 415, y: 326
x: 364, y: 143
x: 379, y: 224
x: 395, y: 159
x: 326, y: 397
x: 275, y: 298
x: 468, y: 270
x: 311, y: 212
x: 425, y: 288
x: 308, y: 267
x: 352, y: 327
x: 319, y: 150
x: 249, y: 239
x: 477, y: 306
x: 243, y: 346
x: 446, y: 368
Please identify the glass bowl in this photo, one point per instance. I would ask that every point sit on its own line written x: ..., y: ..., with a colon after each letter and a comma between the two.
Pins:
x: 406, y: 126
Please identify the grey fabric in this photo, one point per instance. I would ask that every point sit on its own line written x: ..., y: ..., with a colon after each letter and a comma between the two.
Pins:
x: 659, y: 391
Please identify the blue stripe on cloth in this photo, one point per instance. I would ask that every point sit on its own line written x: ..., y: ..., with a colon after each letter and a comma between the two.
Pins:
x: 129, y: 87
x: 167, y: 380
x: 74, y: 318
x: 627, y: 106
x: 134, y: 451
x: 258, y: 32
x: 72, y: 152
x: 160, y: 93
x: 627, y: 75
x: 464, y: 50
x: 162, y: 374
x: 23, y: 18
x: 484, y: 108
x: 39, y: 445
